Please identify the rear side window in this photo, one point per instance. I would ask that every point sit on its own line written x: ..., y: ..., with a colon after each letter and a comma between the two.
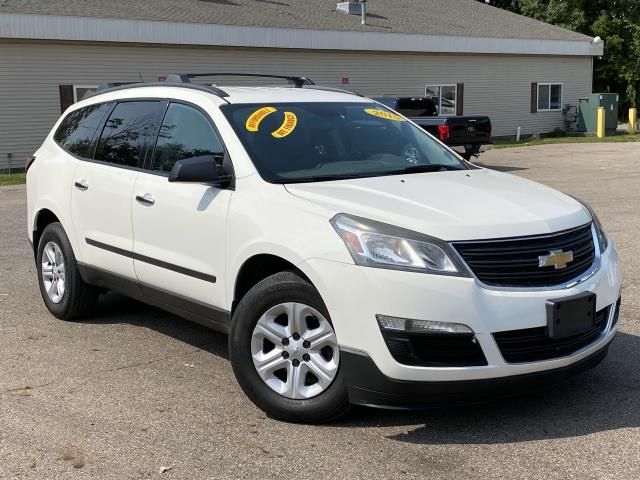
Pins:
x: 76, y: 132
x: 127, y: 133
x: 185, y: 133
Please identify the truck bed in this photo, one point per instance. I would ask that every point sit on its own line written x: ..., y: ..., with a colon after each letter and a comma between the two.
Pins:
x: 467, y: 133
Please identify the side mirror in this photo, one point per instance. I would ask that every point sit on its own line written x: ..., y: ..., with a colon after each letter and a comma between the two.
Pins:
x: 197, y: 170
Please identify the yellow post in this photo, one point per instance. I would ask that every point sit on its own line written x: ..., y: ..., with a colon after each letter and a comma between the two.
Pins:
x: 633, y: 119
x: 600, y: 127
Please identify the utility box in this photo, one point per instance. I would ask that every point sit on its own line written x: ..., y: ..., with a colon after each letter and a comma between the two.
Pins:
x: 588, y: 112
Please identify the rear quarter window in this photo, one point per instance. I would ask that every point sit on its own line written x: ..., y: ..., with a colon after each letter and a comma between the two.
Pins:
x: 76, y: 132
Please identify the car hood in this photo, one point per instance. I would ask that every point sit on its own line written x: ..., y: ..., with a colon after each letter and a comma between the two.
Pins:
x: 458, y: 205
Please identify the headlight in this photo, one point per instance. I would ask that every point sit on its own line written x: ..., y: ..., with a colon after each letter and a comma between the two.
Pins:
x: 375, y: 244
x: 603, y: 241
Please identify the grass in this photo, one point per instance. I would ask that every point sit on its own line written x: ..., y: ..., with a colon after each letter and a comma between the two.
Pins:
x: 73, y: 455
x: 550, y: 140
x: 12, y: 179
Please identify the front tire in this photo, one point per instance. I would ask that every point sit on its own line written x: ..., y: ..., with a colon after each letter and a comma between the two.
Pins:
x: 64, y: 292
x: 284, y: 351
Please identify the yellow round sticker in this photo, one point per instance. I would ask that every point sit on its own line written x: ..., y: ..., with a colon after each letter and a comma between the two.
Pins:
x: 288, y: 126
x: 376, y: 112
x: 253, y: 122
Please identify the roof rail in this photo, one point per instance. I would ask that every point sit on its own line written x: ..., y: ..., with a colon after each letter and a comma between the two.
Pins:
x: 183, y: 80
x: 333, y: 89
x: 113, y: 87
x: 298, y: 81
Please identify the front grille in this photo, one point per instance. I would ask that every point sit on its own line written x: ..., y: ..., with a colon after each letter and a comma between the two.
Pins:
x: 514, y: 262
x: 533, y: 345
x: 434, y: 350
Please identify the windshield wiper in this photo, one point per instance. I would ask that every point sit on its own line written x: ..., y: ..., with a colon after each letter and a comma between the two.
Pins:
x: 327, y: 178
x: 382, y: 173
x: 427, y: 167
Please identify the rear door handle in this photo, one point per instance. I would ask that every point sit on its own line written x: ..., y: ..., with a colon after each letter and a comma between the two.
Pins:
x: 81, y: 185
x: 145, y: 199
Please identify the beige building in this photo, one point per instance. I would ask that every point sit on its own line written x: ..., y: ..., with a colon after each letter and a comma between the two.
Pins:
x: 480, y: 59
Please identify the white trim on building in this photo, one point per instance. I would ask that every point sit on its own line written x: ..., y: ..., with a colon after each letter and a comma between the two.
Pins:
x: 89, y: 29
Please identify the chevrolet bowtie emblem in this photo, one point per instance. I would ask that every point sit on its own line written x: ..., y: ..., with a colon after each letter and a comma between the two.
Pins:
x: 556, y: 258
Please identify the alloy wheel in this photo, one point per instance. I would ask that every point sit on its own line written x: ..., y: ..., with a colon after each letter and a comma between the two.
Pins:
x: 53, y: 272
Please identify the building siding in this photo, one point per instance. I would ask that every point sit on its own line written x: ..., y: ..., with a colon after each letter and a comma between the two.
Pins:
x: 495, y: 85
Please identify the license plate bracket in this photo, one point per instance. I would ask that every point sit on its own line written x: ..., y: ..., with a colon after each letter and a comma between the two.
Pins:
x: 569, y: 316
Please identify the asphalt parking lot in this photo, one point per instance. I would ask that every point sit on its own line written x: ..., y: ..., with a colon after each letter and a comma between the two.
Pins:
x: 134, y: 392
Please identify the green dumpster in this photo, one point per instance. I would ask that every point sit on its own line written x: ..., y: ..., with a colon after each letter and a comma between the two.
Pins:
x: 588, y: 112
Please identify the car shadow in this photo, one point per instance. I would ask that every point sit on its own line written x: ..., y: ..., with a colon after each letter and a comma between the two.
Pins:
x: 117, y: 309
x: 500, y: 168
x: 601, y: 399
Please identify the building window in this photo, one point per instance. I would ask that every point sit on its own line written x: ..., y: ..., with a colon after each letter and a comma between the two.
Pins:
x: 79, y: 91
x: 549, y: 97
x: 444, y: 97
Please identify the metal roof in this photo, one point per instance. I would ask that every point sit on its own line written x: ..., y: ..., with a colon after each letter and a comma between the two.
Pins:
x: 467, y: 18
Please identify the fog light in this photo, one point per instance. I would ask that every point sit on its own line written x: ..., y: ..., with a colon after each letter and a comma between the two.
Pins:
x: 421, y: 326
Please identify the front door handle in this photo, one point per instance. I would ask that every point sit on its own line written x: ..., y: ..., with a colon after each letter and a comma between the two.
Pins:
x: 145, y: 199
x: 81, y: 185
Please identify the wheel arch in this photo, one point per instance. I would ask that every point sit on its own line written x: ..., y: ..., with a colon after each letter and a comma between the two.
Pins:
x: 41, y: 219
x: 46, y: 209
x: 255, y: 269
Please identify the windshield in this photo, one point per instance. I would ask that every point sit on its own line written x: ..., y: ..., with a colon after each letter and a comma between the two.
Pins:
x: 307, y: 142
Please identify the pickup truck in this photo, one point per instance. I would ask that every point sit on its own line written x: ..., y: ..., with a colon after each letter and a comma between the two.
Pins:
x: 465, y: 134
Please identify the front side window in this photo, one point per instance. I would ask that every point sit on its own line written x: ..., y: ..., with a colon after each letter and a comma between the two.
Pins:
x: 304, y: 142
x: 127, y: 133
x: 185, y: 133
x: 549, y: 97
x: 76, y: 132
x: 444, y: 97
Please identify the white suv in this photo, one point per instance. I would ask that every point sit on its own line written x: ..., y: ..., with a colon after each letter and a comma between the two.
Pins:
x: 352, y: 257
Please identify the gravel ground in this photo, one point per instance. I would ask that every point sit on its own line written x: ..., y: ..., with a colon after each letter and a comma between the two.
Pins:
x: 134, y: 392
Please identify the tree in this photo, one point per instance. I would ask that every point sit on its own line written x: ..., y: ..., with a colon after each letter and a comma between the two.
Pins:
x: 617, y: 22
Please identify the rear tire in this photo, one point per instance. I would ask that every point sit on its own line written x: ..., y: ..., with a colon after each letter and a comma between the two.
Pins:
x: 64, y: 292
x: 296, y: 357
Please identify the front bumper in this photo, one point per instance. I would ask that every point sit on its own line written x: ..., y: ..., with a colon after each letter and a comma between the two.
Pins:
x: 471, y: 148
x: 370, y: 387
x: 354, y: 295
